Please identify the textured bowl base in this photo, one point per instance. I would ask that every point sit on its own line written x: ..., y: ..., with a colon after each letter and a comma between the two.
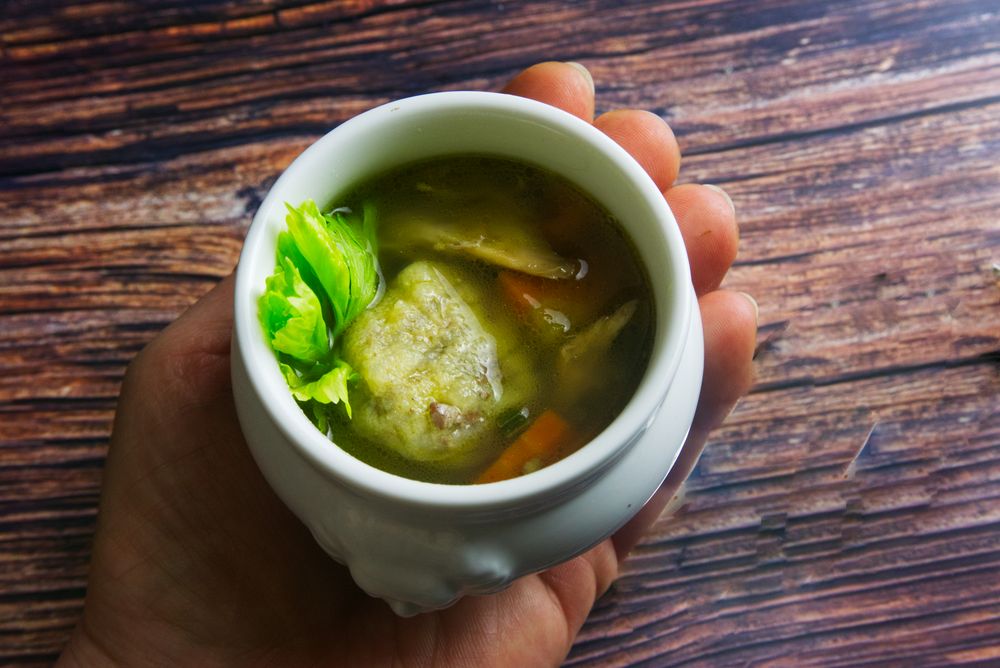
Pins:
x: 419, y: 561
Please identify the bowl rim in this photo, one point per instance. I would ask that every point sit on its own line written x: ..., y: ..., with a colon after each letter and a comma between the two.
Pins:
x: 335, y: 463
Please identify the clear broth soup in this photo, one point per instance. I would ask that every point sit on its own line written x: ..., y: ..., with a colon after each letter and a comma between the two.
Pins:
x: 513, y: 324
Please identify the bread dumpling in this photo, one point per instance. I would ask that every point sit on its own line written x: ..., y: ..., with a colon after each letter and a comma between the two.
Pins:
x: 432, y: 377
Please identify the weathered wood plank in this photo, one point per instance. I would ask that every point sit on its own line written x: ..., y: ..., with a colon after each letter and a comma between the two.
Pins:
x: 849, y: 511
x: 814, y: 560
x: 878, y: 257
x: 702, y: 58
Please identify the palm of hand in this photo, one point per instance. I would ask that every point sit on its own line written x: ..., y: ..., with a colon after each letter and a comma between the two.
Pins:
x: 203, y: 560
x: 197, y: 562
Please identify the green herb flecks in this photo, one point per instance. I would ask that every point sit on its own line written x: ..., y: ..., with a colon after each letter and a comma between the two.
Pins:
x: 513, y: 421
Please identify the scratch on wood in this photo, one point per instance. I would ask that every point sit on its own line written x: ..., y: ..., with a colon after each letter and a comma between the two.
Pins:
x: 773, y: 332
x: 852, y: 466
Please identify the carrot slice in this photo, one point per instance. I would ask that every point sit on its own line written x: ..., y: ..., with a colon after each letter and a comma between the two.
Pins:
x: 519, y: 291
x: 541, y: 441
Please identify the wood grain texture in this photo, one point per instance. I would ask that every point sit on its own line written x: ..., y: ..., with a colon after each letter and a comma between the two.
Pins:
x: 848, y: 513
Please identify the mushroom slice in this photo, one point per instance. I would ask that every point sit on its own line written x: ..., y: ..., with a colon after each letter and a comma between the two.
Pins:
x: 582, y: 361
x: 499, y: 240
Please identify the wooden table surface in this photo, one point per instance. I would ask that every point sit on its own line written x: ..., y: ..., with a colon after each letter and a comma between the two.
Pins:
x: 849, y: 510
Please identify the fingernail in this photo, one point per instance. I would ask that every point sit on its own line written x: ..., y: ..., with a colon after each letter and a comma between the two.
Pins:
x: 584, y: 71
x: 756, y: 308
x: 724, y: 194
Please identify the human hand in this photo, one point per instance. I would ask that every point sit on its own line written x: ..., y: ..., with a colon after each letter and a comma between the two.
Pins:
x: 197, y: 562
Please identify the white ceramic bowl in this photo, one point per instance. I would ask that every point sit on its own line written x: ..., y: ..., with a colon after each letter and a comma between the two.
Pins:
x: 418, y: 545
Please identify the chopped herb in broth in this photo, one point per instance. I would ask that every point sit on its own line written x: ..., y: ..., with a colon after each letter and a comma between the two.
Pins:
x: 509, y: 323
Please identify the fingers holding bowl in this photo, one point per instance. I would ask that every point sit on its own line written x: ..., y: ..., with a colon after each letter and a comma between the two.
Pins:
x: 567, y: 86
x: 705, y: 214
x: 707, y: 220
x: 648, y: 139
x: 570, y: 87
x: 730, y: 329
